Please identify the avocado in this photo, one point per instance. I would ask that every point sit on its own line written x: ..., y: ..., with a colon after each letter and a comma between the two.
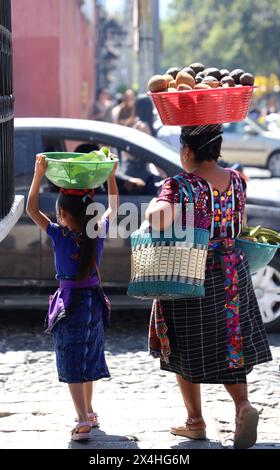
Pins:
x: 213, y: 72
x: 236, y: 74
x: 197, y: 67
x: 173, y: 71
x: 227, y: 81
x: 247, y: 79
x: 189, y: 70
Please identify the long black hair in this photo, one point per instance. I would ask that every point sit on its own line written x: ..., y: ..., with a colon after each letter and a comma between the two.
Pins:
x: 205, y: 146
x: 77, y: 206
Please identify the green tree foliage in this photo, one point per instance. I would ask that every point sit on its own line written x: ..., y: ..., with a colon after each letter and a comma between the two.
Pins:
x: 224, y: 34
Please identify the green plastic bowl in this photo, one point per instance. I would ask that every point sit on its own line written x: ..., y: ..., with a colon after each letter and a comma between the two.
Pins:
x: 77, y: 175
x: 258, y: 254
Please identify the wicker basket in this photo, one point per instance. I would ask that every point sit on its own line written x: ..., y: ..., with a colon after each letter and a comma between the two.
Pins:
x: 168, y: 267
x: 197, y: 107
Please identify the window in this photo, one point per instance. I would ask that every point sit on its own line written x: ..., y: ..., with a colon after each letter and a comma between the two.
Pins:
x: 24, y: 160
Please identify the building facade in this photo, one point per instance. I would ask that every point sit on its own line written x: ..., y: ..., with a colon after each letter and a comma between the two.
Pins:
x: 54, y: 55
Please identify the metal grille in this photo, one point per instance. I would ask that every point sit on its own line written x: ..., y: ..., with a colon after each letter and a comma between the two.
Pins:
x: 6, y: 111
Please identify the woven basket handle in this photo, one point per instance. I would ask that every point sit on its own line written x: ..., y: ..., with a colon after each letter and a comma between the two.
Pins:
x: 179, y: 180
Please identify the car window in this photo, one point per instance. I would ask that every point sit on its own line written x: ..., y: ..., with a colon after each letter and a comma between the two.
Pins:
x: 147, y: 176
x: 134, y: 176
x: 23, y: 160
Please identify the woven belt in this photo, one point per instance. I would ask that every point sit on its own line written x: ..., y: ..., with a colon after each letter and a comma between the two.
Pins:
x: 222, y: 255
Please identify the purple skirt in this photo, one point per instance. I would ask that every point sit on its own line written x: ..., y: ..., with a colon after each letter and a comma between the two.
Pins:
x: 79, y: 339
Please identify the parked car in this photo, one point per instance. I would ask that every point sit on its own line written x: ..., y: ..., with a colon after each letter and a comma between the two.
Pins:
x: 252, y: 145
x: 26, y: 269
x: 246, y: 141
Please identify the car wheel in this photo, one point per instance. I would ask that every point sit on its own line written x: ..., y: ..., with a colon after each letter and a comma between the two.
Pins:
x: 266, y: 283
x: 274, y: 164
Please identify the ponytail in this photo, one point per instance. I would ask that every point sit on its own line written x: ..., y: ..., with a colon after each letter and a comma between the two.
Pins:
x: 77, y: 205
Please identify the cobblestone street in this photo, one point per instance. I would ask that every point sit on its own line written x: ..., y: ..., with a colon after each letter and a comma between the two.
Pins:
x: 136, y: 405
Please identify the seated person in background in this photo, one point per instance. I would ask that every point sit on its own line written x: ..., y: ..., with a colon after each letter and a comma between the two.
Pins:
x: 135, y: 166
x: 126, y: 184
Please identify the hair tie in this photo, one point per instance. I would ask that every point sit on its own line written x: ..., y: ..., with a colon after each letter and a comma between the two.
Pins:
x: 78, y: 192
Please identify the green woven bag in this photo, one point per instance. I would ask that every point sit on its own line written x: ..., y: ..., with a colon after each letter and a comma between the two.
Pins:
x: 172, y: 267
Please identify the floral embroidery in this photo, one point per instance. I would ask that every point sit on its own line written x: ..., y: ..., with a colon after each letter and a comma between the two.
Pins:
x: 227, y: 221
x: 235, y: 356
x: 221, y: 255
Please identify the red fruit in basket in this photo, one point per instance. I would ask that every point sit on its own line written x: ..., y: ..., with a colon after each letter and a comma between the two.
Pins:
x: 213, y: 72
x: 189, y: 70
x: 185, y: 78
x: 197, y: 67
x: 212, y: 81
x: 236, y: 74
x: 173, y: 71
x: 157, y: 83
x: 227, y: 82
x: 247, y: 79
x: 224, y: 73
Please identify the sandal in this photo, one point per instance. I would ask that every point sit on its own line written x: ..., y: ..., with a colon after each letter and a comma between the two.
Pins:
x: 76, y: 435
x: 93, y: 418
x: 186, y: 431
x: 246, y: 427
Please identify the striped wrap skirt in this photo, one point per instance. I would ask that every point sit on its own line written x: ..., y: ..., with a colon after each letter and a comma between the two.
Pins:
x: 79, y: 339
x: 220, y: 337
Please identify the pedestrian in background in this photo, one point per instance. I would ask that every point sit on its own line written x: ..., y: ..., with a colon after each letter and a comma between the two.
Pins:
x: 103, y: 106
x: 79, y: 309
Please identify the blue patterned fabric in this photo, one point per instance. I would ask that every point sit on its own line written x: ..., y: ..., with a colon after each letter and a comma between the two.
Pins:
x: 79, y: 339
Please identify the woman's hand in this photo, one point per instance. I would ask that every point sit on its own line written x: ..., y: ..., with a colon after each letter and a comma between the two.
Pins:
x: 40, y: 166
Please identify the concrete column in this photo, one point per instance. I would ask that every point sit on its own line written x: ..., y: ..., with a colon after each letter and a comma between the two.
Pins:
x: 149, y: 41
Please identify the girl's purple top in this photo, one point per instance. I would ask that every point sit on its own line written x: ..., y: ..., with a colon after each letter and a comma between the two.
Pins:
x: 66, y: 255
x: 66, y: 246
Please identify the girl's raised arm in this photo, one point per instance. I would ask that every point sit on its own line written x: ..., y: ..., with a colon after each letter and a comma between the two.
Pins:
x: 32, y: 207
x: 113, y: 197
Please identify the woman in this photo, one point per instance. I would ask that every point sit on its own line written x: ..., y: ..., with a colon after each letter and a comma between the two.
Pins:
x: 127, y: 114
x: 220, y: 337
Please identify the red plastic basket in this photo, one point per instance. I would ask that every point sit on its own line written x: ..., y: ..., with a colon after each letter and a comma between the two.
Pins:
x: 197, y: 107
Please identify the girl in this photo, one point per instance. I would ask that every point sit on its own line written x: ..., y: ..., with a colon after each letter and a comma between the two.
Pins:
x: 218, y: 338
x: 79, y: 308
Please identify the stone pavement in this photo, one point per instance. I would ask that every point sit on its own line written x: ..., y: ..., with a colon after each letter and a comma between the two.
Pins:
x: 136, y: 405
